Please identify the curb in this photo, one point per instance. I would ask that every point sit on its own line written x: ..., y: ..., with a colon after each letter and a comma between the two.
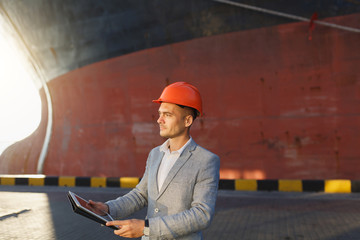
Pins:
x: 281, y: 185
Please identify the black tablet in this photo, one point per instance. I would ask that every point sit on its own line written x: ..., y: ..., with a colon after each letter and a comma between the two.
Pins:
x: 79, y: 206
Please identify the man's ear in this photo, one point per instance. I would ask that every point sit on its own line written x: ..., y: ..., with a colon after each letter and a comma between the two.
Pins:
x: 188, y: 120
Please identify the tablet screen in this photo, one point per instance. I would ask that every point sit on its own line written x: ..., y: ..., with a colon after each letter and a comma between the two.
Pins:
x: 84, y: 204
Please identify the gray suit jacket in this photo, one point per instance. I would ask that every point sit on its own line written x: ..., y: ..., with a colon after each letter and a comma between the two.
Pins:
x: 185, y: 204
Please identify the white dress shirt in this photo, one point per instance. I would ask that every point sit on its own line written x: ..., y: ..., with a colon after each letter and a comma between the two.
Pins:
x: 168, y: 160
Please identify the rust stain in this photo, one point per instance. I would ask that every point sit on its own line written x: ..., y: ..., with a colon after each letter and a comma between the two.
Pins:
x: 287, y: 134
x: 315, y: 89
x: 262, y: 135
x: 297, y: 142
x: 272, y: 143
x: 53, y: 52
x: 337, y: 157
x: 337, y: 153
x: 201, y: 124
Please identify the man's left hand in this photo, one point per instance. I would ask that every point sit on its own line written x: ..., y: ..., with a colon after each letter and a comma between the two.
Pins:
x: 132, y: 228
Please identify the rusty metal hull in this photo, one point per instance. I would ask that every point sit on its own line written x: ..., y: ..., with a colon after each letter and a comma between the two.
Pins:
x: 276, y: 106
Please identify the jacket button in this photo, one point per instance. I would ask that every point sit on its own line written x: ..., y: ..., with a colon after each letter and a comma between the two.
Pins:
x: 156, y: 210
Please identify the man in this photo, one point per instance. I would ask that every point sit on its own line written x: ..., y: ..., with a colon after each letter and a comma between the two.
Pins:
x: 181, y: 178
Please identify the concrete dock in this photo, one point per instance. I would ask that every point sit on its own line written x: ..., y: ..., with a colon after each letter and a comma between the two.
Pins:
x: 45, y: 213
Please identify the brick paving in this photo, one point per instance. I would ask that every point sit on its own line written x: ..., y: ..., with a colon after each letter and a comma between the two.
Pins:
x: 44, y: 213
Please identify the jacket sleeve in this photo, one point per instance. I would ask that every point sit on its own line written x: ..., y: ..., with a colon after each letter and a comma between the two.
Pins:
x: 202, y: 210
x: 131, y: 202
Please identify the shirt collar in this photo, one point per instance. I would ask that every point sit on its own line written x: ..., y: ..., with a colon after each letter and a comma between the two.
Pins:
x: 165, y: 146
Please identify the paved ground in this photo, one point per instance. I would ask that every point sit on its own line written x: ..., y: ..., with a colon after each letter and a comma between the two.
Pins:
x: 44, y: 213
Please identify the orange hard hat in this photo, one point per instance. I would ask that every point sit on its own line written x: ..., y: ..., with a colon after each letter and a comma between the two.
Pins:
x: 182, y: 93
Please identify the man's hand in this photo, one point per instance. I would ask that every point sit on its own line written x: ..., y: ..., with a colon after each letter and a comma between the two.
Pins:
x: 98, y: 207
x: 132, y: 228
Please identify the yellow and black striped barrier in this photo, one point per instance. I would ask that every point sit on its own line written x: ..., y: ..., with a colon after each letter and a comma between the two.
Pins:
x: 283, y: 185
x: 66, y: 181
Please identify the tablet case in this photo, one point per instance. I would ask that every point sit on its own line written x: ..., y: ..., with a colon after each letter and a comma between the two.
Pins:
x: 93, y: 217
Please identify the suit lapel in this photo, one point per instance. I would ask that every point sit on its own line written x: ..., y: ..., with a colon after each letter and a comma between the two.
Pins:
x: 184, y: 157
x: 153, y: 174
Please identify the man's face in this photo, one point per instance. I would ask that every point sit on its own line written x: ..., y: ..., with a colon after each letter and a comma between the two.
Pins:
x: 172, y: 120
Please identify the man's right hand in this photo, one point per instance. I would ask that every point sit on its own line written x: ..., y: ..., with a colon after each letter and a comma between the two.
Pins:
x: 98, y: 207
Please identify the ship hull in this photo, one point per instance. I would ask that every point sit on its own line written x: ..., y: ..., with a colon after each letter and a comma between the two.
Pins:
x: 276, y: 106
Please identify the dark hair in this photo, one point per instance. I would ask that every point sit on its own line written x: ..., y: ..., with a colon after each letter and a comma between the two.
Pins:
x: 194, y: 112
